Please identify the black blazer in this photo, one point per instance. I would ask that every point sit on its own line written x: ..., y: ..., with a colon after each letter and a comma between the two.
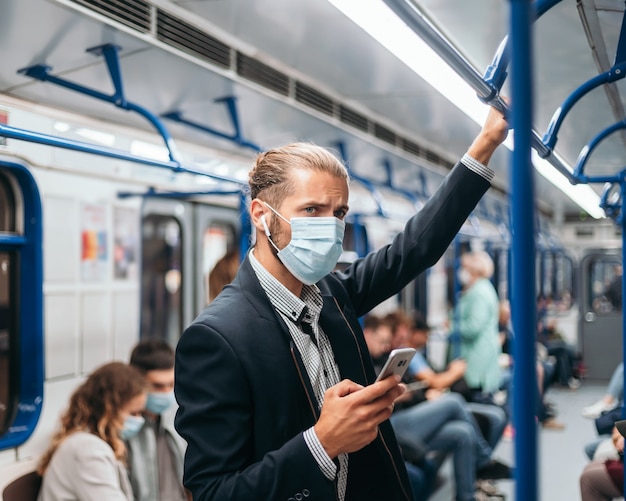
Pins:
x: 243, y: 392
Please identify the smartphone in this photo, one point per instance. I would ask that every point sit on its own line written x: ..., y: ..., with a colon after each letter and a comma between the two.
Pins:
x: 397, y: 363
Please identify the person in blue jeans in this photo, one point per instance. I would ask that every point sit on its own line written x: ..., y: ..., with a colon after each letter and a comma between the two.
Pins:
x: 445, y: 425
x: 613, y: 397
x: 448, y: 379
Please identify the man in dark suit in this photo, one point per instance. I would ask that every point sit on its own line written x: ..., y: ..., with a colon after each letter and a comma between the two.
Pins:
x: 274, y: 382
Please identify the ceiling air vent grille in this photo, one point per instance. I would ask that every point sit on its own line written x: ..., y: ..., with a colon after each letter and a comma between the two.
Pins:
x: 412, y: 147
x: 432, y: 157
x: 133, y: 13
x: 178, y: 33
x: 315, y: 99
x: 385, y: 134
x: 351, y: 117
x: 261, y: 73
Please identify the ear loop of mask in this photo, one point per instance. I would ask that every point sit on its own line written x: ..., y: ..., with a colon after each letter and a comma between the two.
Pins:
x: 267, y: 233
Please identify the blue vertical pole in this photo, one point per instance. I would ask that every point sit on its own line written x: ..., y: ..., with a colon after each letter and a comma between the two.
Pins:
x: 524, y: 310
x: 245, y: 238
x: 623, y: 223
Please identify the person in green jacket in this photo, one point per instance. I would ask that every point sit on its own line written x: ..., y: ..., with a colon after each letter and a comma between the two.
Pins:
x: 477, y: 325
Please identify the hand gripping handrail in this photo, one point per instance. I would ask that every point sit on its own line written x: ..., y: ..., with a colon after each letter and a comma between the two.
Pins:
x: 487, y: 91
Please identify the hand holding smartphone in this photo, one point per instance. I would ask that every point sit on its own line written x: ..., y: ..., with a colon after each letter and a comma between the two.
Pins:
x: 397, y: 363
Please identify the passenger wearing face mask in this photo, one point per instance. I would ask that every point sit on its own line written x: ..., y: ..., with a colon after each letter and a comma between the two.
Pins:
x: 156, y: 451
x: 477, y: 313
x: 276, y: 391
x: 87, y: 455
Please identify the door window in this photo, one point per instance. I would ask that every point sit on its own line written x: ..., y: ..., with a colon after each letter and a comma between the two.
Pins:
x: 162, y: 267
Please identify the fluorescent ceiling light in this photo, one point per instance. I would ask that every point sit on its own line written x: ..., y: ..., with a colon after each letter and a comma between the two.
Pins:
x: 97, y: 136
x: 149, y: 150
x: 382, y: 24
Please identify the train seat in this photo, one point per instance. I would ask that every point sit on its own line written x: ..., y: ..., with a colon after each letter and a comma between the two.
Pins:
x: 24, y: 488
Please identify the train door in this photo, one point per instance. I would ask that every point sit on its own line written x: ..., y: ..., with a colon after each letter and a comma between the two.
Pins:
x: 600, y: 323
x: 21, y: 304
x: 217, y: 231
x: 167, y: 236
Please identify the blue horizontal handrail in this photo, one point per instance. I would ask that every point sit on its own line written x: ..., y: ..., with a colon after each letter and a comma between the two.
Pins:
x: 487, y: 92
x: 7, y: 239
x: 71, y: 144
x: 179, y: 195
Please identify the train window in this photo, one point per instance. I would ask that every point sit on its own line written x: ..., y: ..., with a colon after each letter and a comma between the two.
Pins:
x: 547, y: 276
x: 218, y: 239
x: 8, y: 339
x: 604, y: 283
x: 564, y: 282
x: 161, y: 273
x: 501, y: 273
x: 7, y: 206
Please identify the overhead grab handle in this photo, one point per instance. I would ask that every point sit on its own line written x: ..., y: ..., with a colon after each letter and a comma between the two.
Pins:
x: 591, y: 145
x: 611, y: 201
x: 496, y: 72
x: 407, y: 11
x: 110, y: 52
x: 614, y: 74
x: 617, y: 72
x: 236, y: 137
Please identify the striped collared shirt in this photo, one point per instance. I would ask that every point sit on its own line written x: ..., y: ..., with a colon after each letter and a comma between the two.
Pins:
x: 317, y: 355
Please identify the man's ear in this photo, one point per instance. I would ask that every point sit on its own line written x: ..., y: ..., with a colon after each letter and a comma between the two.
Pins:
x: 257, y: 215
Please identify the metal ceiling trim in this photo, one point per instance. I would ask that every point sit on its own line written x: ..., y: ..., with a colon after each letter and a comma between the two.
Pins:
x: 197, y: 44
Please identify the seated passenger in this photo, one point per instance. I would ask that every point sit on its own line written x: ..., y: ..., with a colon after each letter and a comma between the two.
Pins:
x: 421, y: 470
x: 492, y: 418
x: 544, y: 411
x: 443, y: 426
x: 603, y: 480
x: 85, y: 459
x: 613, y: 397
x: 156, y: 453
x: 567, y: 359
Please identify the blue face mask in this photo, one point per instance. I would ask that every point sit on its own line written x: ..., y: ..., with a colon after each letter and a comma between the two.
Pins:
x: 315, y: 246
x: 132, y: 425
x: 159, y: 402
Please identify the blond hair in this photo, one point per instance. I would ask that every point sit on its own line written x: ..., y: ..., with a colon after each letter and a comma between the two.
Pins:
x: 270, y: 178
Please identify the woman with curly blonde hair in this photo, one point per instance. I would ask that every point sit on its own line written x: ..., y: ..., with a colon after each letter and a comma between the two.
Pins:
x: 85, y: 460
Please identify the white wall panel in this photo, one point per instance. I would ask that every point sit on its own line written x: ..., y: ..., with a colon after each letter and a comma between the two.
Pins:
x: 60, y: 240
x: 125, y: 320
x: 95, y: 328
x: 61, y: 335
x: 55, y: 400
